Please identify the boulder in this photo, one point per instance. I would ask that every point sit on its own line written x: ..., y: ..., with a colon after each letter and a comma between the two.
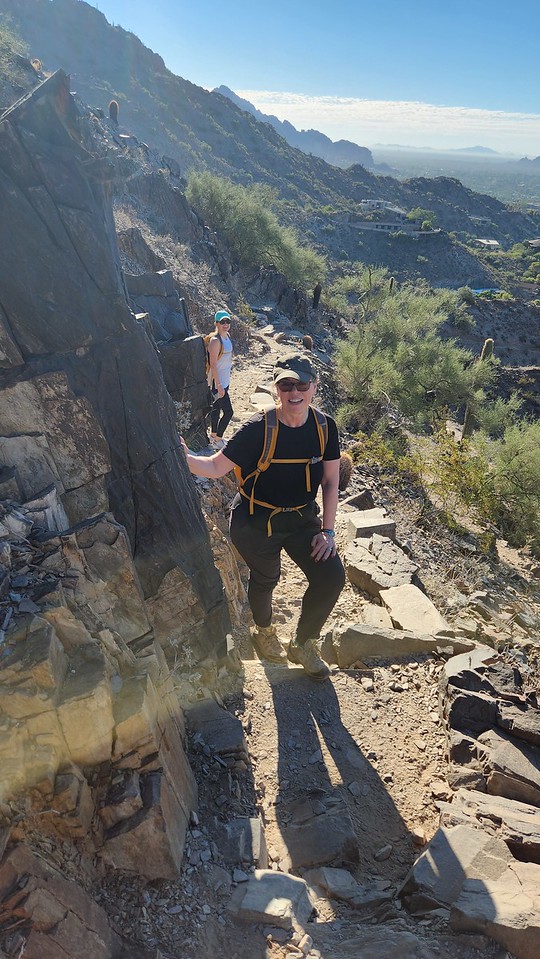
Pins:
x: 517, y: 823
x: 520, y: 720
x: 352, y: 643
x: 243, y: 841
x: 217, y: 729
x: 377, y: 616
x: 151, y: 842
x: 183, y: 363
x: 61, y: 919
x: 512, y: 769
x: 275, y: 899
x: 316, y: 838
x: 410, y: 608
x: 385, y: 943
x: 365, y: 523
x: 339, y: 884
x: 453, y: 855
x: 362, y: 500
x: 377, y: 563
x: 504, y: 907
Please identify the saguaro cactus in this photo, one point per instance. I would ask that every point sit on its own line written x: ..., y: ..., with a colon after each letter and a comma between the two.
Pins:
x: 469, y: 418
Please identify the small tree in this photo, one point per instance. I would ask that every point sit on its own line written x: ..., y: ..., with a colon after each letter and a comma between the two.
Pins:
x: 427, y: 217
x: 395, y: 358
x: 516, y: 481
x: 243, y: 216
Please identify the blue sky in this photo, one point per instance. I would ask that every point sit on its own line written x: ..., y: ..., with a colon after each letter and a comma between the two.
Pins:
x: 424, y: 73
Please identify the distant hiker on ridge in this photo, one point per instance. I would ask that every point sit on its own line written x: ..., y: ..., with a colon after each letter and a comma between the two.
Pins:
x: 281, y: 456
x: 220, y: 351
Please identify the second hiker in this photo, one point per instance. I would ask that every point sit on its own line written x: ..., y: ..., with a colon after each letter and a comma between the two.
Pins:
x: 220, y: 351
x: 281, y: 457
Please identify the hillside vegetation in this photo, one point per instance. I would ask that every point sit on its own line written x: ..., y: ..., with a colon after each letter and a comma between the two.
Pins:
x: 203, y: 130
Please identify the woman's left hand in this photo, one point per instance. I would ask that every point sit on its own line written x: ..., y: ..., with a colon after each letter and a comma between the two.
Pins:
x: 323, y: 547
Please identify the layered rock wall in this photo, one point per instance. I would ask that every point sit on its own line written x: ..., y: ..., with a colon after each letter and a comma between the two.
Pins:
x: 84, y: 405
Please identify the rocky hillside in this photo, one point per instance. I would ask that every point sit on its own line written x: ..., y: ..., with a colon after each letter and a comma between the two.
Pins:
x: 199, y: 129
x: 164, y: 793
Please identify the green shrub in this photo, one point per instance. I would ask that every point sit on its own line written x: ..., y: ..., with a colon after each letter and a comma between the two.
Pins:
x: 516, y: 483
x: 395, y: 359
x: 244, y: 218
x: 495, y: 417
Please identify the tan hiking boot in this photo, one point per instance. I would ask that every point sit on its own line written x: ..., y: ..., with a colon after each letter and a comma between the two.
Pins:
x: 268, y: 646
x: 309, y: 657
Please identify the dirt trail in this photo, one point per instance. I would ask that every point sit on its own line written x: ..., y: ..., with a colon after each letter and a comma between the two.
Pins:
x: 371, y: 742
x: 367, y: 744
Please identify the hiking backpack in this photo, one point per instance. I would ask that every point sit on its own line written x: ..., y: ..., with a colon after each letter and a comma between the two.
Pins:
x: 271, y: 429
x: 206, y: 341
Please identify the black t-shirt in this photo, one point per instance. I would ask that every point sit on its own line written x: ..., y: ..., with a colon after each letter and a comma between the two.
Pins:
x: 283, y: 484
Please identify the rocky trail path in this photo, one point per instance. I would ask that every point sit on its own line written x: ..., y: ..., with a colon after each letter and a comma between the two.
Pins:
x: 351, y: 770
x: 292, y: 773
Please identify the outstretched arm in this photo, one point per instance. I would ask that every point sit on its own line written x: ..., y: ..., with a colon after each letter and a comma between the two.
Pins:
x: 211, y: 467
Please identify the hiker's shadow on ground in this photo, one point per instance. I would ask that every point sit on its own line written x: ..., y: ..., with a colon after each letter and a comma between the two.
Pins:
x: 331, y: 806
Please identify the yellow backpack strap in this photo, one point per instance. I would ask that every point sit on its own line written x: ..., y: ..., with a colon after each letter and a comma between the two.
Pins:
x: 271, y: 427
x: 322, y: 427
x: 322, y: 431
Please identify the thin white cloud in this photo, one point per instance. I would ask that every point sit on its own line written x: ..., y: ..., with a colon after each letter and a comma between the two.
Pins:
x: 407, y: 122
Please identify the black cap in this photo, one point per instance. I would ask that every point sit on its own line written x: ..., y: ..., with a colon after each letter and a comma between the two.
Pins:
x: 294, y: 367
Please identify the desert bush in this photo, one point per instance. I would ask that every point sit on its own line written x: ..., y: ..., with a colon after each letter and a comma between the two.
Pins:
x: 497, y: 482
x: 516, y: 483
x: 244, y: 218
x: 496, y: 416
x: 466, y: 295
x: 395, y: 357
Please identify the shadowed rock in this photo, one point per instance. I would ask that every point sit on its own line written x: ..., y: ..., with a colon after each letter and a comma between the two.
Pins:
x: 85, y: 407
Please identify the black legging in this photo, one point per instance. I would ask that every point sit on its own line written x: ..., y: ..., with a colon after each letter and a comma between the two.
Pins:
x: 293, y: 533
x: 221, y: 412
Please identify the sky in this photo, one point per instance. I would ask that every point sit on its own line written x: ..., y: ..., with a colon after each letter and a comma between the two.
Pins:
x: 422, y: 73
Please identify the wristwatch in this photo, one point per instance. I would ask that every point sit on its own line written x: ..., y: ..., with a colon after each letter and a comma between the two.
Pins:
x: 329, y: 532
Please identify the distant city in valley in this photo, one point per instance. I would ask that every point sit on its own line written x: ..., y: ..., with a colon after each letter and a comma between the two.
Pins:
x: 512, y: 179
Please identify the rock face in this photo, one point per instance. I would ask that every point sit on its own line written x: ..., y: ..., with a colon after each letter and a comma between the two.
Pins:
x: 84, y: 407
x: 482, y: 863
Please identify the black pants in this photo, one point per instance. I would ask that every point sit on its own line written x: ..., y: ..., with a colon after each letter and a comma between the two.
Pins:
x: 292, y: 532
x: 221, y: 412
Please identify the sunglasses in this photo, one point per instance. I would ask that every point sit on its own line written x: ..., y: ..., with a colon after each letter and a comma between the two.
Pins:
x: 287, y: 386
x: 224, y: 322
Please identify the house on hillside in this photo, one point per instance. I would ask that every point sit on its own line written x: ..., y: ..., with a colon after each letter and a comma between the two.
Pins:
x: 489, y: 244
x: 396, y: 211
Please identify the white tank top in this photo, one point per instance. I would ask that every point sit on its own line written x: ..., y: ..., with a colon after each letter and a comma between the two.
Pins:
x: 224, y: 363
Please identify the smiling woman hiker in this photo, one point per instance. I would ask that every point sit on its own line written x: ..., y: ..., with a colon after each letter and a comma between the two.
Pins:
x: 281, y: 456
x: 219, y: 351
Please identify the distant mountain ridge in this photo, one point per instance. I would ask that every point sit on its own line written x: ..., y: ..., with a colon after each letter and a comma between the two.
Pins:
x: 203, y: 130
x: 342, y: 153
